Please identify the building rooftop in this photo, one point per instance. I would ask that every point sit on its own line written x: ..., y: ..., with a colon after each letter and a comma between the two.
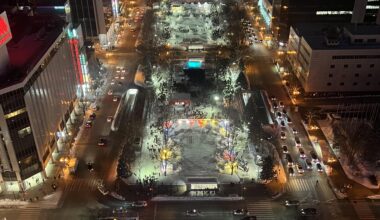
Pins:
x: 316, y: 34
x: 31, y: 38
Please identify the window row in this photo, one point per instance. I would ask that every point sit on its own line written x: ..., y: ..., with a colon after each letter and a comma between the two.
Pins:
x: 332, y: 66
x: 356, y: 75
x: 354, y: 83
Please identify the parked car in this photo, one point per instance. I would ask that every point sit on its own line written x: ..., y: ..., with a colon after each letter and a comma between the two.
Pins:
x: 282, y: 123
x: 240, y: 212
x: 292, y: 203
x: 109, y: 118
x: 139, y: 204
x: 275, y: 105
x: 110, y: 92
x: 285, y: 149
x: 192, y: 212
x: 308, y: 211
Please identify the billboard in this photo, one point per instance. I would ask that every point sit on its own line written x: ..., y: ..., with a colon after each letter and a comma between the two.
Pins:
x: 5, y: 31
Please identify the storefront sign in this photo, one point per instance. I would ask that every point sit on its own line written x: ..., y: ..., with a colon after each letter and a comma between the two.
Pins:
x: 5, y: 32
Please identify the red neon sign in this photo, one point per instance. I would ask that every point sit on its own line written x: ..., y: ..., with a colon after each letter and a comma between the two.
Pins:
x: 5, y: 34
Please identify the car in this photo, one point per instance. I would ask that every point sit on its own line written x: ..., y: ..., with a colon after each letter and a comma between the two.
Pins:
x: 319, y: 167
x: 308, y: 211
x: 251, y: 217
x: 281, y: 104
x: 139, y: 204
x: 192, y: 212
x: 291, y: 171
x: 302, y: 153
x: 112, y: 82
x: 292, y: 203
x: 283, y: 135
x: 93, y: 116
x: 314, y: 157
x: 282, y: 123
x: 273, y: 98
x: 298, y: 141
x: 284, y: 111
x: 285, y: 149
x: 122, y: 77
x: 288, y: 119
x: 90, y: 166
x: 88, y: 124
x: 309, y: 165
x: 300, y: 168
x: 279, y: 115
x: 275, y: 105
x: 240, y: 212
x: 289, y: 159
x: 110, y: 92
x: 115, y: 98
x: 294, y: 131
x: 102, y: 142
x: 109, y: 119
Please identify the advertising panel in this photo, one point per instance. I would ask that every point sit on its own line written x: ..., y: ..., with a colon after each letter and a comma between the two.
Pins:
x: 5, y: 31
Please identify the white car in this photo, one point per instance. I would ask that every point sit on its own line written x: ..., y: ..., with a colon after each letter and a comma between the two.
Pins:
x: 110, y: 92
x: 193, y: 212
x: 109, y: 119
x: 122, y: 77
x: 240, y: 212
x: 139, y: 204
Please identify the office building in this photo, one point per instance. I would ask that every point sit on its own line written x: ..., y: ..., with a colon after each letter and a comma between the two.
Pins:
x: 279, y: 15
x: 336, y: 59
x: 38, y: 88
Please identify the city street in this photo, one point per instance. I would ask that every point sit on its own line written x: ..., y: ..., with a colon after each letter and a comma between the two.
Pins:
x: 185, y: 128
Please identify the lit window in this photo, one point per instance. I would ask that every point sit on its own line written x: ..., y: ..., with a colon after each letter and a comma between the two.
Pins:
x: 25, y: 131
x: 15, y: 113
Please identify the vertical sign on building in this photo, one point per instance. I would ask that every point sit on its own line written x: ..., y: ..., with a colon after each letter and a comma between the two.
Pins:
x: 5, y: 31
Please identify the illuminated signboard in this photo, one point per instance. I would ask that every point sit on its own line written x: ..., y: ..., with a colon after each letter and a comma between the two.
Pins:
x: 194, y: 64
x: 5, y: 32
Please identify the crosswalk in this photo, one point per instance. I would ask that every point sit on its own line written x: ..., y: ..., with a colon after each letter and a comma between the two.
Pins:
x: 303, y: 185
x: 362, y: 209
x: 262, y: 209
x: 29, y: 213
x: 82, y: 184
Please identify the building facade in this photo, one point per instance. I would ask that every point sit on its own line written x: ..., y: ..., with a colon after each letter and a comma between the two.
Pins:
x: 37, y: 93
x: 279, y: 15
x: 330, y: 59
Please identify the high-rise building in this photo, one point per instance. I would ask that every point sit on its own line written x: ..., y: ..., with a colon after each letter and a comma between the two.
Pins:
x: 279, y: 15
x: 327, y: 58
x: 38, y: 88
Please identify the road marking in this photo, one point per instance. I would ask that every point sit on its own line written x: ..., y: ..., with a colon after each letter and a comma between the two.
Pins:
x: 261, y: 209
x: 362, y: 210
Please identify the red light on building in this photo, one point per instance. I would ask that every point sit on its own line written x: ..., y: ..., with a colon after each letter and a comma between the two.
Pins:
x: 5, y: 33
